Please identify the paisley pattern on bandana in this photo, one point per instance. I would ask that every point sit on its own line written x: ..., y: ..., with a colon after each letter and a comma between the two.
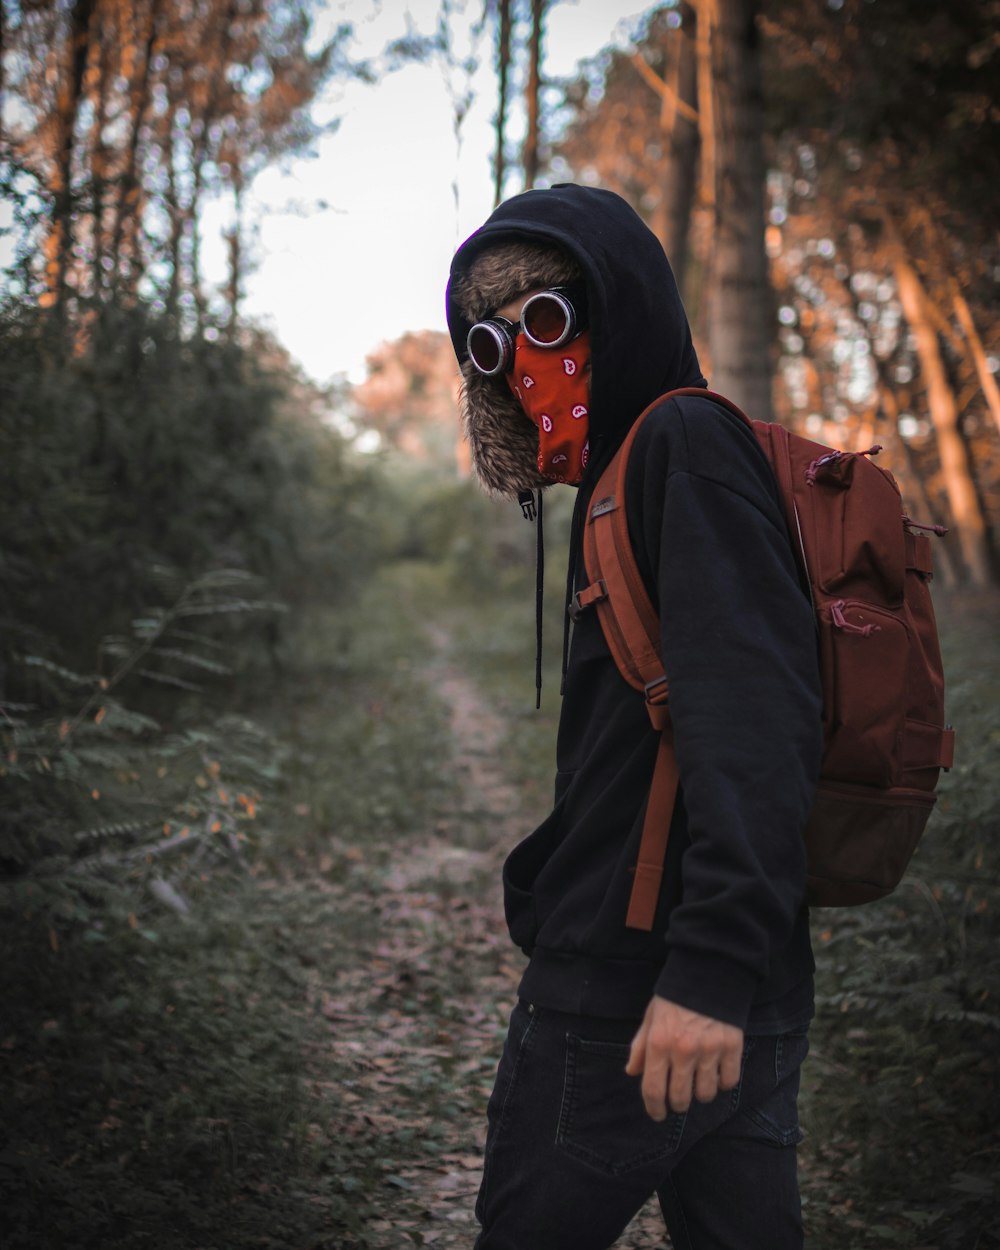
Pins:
x: 553, y: 387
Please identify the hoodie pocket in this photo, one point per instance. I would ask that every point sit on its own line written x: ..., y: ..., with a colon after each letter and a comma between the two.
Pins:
x: 520, y: 872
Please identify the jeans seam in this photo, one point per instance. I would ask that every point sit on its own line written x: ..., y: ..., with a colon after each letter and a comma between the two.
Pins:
x: 522, y: 1048
x: 678, y: 1209
x: 737, y: 1091
x: 565, y: 1122
x: 778, y: 1135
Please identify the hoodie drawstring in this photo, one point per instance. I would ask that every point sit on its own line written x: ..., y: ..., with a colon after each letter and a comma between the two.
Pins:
x: 539, y: 600
x: 572, y: 568
x: 531, y: 509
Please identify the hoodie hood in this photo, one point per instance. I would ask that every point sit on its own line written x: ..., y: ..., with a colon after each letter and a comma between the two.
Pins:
x: 640, y: 338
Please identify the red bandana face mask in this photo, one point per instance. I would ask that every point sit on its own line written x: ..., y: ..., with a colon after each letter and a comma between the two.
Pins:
x: 553, y: 386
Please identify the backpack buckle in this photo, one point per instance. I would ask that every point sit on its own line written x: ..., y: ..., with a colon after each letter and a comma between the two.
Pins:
x: 657, y: 703
x: 657, y: 690
x: 582, y: 600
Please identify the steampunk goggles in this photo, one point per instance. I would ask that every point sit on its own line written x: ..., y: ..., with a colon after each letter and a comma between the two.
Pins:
x: 548, y: 319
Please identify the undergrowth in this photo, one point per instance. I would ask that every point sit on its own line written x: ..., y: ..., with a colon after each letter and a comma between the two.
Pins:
x: 902, y: 1095
x: 301, y: 1058
x: 155, y: 1082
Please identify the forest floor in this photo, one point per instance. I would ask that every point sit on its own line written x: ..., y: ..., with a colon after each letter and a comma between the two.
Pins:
x: 302, y: 1059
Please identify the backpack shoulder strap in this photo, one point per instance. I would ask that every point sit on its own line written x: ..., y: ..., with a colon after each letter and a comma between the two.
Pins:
x: 627, y: 615
x: 631, y: 627
x: 629, y: 619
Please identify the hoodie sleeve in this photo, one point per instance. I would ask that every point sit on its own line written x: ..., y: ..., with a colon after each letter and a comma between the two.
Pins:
x: 740, y: 657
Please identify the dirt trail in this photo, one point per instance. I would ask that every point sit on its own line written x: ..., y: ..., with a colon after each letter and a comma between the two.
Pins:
x: 442, y: 1188
x: 488, y: 813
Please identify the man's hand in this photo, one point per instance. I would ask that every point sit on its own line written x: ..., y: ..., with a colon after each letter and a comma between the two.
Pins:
x: 678, y: 1051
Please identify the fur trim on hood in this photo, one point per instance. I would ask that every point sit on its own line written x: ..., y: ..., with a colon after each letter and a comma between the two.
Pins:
x: 640, y: 339
x: 503, y: 441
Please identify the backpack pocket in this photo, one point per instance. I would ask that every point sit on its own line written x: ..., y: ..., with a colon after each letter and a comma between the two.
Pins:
x: 857, y: 536
x: 864, y: 653
x: 859, y: 842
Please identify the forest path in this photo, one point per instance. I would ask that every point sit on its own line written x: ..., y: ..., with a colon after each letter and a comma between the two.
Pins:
x: 302, y: 1060
x: 412, y: 1070
x: 440, y: 987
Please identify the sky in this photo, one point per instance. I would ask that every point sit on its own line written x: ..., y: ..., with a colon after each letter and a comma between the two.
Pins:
x: 334, y: 282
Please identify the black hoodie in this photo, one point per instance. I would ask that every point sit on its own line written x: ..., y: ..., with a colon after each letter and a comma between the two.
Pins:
x: 731, y: 934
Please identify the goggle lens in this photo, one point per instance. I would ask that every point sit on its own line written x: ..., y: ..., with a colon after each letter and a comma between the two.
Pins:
x: 547, y: 319
x: 491, y: 347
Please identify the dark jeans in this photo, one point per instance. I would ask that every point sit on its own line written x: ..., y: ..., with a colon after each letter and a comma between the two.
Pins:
x: 572, y: 1156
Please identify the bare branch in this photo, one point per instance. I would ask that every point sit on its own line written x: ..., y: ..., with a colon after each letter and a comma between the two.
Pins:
x: 668, y: 93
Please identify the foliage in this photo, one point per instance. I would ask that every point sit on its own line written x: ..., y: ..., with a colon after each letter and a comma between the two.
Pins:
x: 304, y: 1056
x: 193, y: 1076
x: 128, y: 117
x: 410, y: 385
x: 903, y: 1091
x: 145, y: 457
x: 618, y: 133
x: 881, y: 128
x: 159, y: 495
x: 97, y: 794
x: 883, y: 196
x: 911, y: 84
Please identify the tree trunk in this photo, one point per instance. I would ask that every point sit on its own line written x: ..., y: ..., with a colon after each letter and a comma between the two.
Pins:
x: 530, y: 159
x: 71, y: 72
x: 677, y: 90
x: 175, y: 214
x: 125, y: 231
x: 956, y: 468
x: 234, y: 245
x: 740, y: 313
x: 679, y: 186
x: 99, y: 162
x: 193, y: 224
x: 503, y: 70
x: 976, y: 351
x: 706, y: 11
x: 215, y: 63
x: 914, y: 483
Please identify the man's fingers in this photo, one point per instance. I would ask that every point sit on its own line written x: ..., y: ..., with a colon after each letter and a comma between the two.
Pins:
x: 683, y: 1055
x: 654, y: 1087
x: 730, y: 1067
x: 681, y: 1086
x: 637, y: 1053
x: 707, y: 1081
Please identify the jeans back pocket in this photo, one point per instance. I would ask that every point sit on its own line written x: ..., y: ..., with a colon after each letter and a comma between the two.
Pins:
x: 603, y: 1120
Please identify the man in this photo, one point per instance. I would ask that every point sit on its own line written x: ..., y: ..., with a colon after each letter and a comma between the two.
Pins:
x: 668, y: 1061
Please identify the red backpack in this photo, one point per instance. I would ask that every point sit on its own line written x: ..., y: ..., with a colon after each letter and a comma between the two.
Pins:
x: 867, y: 568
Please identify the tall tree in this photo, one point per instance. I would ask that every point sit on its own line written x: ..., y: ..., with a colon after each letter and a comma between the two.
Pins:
x: 897, y: 105
x: 71, y: 55
x: 638, y: 134
x: 140, y: 42
x: 869, y: 109
x: 741, y: 307
x: 530, y: 158
x: 691, y: 155
x: 679, y: 126
x: 143, y: 110
x: 943, y: 407
x: 503, y: 76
